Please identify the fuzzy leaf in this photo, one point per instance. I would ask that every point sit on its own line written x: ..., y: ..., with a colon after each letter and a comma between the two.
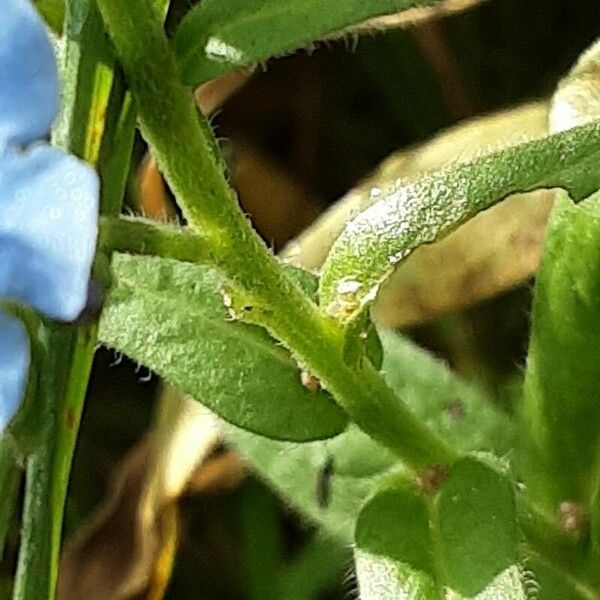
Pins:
x: 380, y: 237
x: 458, y: 412
x: 475, y: 523
x: 429, y: 388
x: 457, y: 542
x: 393, y: 549
x: 562, y: 382
x: 217, y: 37
x: 170, y: 317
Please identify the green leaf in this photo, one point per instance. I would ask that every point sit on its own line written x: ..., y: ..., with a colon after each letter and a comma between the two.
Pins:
x: 170, y: 316
x: 456, y: 410
x: 318, y: 567
x: 459, y: 542
x: 395, y: 523
x: 53, y: 12
x: 475, y: 526
x: 551, y: 583
x: 379, y: 238
x: 295, y: 471
x: 217, y: 37
x: 393, y: 549
x: 511, y: 584
x: 450, y: 406
x: 382, y: 578
x: 562, y: 382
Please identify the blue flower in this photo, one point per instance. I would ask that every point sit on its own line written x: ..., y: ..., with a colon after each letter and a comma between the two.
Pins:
x: 48, y: 199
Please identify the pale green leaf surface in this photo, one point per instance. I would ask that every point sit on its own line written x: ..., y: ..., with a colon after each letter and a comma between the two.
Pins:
x: 170, y: 317
x: 562, y: 382
x: 383, y: 578
x: 379, y: 238
x: 294, y: 470
x: 216, y: 37
x: 457, y: 411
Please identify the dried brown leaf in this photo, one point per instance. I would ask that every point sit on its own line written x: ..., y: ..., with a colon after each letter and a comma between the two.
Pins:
x: 127, y: 548
x: 415, y: 16
x: 577, y: 98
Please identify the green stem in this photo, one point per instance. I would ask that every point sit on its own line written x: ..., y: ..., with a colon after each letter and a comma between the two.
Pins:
x: 10, y: 478
x: 184, y: 148
x: 141, y: 236
x: 117, y: 146
x: 35, y: 576
x: 568, y: 555
x: 88, y: 80
x: 49, y: 466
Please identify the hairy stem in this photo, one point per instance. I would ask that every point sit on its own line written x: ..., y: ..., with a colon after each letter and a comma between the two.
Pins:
x: 134, y: 235
x: 88, y: 79
x: 184, y: 148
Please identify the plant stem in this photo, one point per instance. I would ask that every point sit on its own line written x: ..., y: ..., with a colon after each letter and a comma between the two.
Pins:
x: 10, y: 478
x: 141, y: 236
x: 88, y: 80
x: 35, y: 574
x: 568, y: 555
x: 184, y: 148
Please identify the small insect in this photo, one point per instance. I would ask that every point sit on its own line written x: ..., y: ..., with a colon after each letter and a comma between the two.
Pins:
x: 323, y: 483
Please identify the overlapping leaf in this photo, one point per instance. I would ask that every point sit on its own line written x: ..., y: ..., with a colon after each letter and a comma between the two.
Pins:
x: 170, y: 316
x: 378, y: 239
x: 217, y: 37
x: 458, y: 541
x: 497, y: 249
x: 451, y: 407
x: 562, y: 383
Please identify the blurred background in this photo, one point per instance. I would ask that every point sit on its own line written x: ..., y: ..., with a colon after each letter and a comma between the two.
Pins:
x: 297, y: 136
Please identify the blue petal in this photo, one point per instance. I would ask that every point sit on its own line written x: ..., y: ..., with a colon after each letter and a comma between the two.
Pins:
x: 48, y: 228
x: 28, y: 76
x: 14, y: 365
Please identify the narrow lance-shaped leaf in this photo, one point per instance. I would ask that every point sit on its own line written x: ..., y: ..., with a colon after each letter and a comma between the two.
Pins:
x: 171, y: 317
x: 216, y: 37
x: 492, y: 252
x: 378, y: 239
x: 562, y: 383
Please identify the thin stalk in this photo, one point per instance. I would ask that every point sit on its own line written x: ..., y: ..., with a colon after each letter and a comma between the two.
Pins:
x: 134, y: 235
x: 568, y: 555
x: 183, y: 145
x: 35, y: 576
x: 87, y: 83
x: 10, y: 479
